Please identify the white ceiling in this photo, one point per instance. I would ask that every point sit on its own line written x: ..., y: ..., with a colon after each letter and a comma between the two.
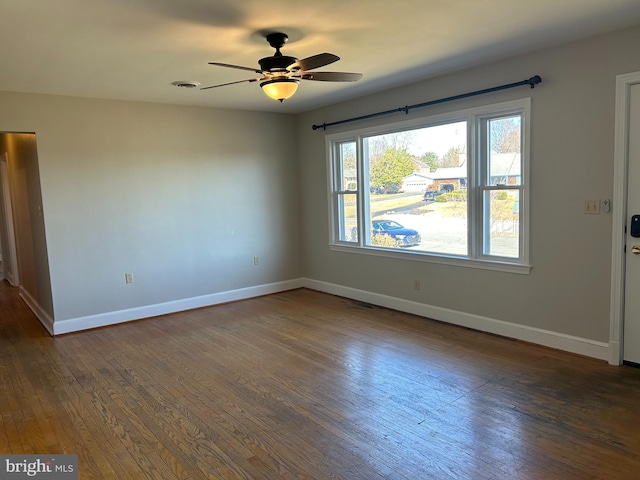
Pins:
x: 135, y: 49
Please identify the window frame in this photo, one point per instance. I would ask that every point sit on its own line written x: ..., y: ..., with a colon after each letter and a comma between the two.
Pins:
x: 477, y: 119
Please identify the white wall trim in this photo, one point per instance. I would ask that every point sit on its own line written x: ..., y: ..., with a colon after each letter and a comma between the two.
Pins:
x: 547, y: 338
x: 138, y: 313
x: 569, y: 343
x: 620, y: 161
x: 44, y: 318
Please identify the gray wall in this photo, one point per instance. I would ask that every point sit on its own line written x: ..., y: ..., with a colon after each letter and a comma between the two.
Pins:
x: 182, y: 197
x: 572, y: 147
x: 185, y: 197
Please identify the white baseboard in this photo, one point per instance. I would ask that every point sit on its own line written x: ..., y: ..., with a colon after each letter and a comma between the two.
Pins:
x: 9, y: 278
x: 547, y: 338
x: 44, y: 317
x: 120, y: 316
x: 560, y: 341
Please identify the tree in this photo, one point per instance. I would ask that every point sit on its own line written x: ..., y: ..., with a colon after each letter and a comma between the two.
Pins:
x: 377, y: 146
x: 505, y: 135
x: 348, y: 156
x: 452, y: 157
x: 397, y: 140
x: 391, y: 167
x: 431, y: 159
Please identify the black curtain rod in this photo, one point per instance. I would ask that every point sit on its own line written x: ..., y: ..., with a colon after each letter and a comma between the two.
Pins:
x: 532, y: 82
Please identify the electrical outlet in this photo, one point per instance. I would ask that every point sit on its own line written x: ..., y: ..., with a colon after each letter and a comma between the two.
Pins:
x: 256, y: 260
x: 592, y: 206
x: 128, y: 277
x: 416, y: 284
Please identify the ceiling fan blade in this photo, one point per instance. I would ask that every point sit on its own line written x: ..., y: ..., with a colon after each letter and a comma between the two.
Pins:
x: 228, y: 65
x: 331, y: 76
x: 230, y: 83
x: 315, y: 61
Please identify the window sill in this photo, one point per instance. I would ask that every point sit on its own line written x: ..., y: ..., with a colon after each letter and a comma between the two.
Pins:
x: 416, y: 256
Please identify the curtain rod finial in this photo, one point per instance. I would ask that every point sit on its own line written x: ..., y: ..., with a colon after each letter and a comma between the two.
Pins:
x: 533, y: 81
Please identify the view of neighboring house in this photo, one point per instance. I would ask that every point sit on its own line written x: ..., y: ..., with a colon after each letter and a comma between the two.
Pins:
x: 349, y: 179
x: 422, y: 181
x: 417, y: 182
x: 456, y: 176
x: 505, y: 169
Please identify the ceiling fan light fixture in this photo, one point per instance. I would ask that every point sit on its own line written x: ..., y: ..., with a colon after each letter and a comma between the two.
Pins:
x: 280, y: 75
x: 280, y: 89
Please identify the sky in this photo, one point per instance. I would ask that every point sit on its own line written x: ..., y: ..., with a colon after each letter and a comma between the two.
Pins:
x: 439, y: 139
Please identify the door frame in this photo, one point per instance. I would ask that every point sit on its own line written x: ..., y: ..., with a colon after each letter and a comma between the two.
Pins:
x: 619, y: 211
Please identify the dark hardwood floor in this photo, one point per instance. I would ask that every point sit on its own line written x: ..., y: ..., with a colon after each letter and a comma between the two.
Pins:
x: 304, y: 385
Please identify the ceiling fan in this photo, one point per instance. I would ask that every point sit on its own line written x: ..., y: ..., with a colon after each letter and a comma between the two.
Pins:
x: 281, y: 75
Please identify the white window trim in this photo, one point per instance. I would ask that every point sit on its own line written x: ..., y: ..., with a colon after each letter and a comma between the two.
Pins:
x: 470, y: 115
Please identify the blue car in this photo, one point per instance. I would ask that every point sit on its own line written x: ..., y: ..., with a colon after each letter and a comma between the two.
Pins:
x: 404, y: 237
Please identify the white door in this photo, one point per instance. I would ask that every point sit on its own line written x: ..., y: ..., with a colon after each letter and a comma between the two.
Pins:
x: 631, y: 346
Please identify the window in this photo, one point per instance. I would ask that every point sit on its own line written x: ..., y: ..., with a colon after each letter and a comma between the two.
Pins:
x: 451, y: 188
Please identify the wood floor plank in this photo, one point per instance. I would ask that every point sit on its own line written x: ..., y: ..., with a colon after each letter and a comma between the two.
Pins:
x: 304, y: 385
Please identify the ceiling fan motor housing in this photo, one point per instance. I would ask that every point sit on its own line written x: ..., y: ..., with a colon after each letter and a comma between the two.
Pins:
x: 276, y: 63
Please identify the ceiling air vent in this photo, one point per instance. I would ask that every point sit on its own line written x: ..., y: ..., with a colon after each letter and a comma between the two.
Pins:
x: 185, y: 84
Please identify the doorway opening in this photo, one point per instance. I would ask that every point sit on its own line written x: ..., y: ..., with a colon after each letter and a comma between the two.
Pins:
x: 8, y: 246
